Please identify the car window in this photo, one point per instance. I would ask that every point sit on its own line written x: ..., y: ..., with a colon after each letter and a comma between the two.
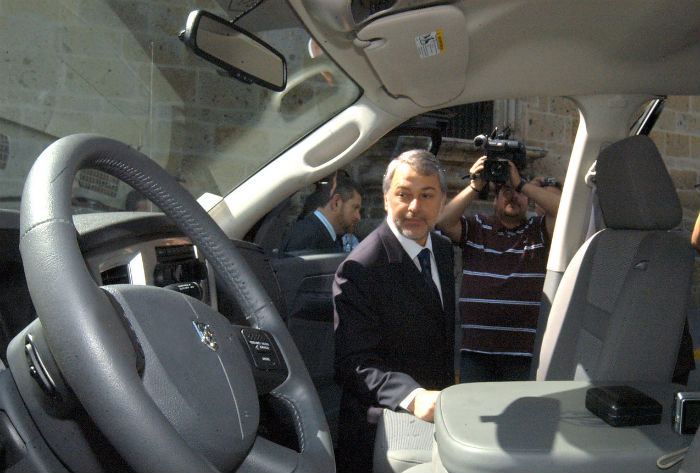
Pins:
x: 118, y: 69
x: 307, y: 204
x: 449, y: 133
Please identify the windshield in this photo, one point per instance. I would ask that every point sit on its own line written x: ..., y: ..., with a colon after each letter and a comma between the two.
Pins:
x: 117, y: 68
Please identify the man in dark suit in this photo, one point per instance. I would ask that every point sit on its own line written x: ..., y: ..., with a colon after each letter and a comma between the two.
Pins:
x: 395, y: 313
x: 337, y: 212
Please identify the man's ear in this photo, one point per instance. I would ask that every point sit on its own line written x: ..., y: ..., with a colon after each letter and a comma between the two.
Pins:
x: 335, y: 201
x: 386, y: 204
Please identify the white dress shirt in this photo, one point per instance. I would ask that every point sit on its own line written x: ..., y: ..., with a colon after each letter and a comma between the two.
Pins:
x: 413, y: 248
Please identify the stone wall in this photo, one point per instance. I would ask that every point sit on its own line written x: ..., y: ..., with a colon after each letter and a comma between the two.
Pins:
x: 118, y: 69
x: 677, y: 135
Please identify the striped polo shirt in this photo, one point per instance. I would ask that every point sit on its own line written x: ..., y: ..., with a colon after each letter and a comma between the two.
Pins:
x: 503, y: 275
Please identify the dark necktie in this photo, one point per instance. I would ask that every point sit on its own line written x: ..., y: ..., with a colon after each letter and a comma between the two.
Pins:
x: 424, y: 259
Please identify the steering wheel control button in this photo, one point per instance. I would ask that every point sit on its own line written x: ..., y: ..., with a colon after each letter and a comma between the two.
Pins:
x: 37, y: 368
x: 192, y: 289
x: 261, y: 349
x: 206, y: 334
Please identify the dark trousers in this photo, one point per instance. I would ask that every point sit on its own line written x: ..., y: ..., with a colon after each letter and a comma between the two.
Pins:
x: 476, y: 367
x: 355, y: 452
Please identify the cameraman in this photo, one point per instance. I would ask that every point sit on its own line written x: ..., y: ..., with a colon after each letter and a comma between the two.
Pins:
x: 503, y: 260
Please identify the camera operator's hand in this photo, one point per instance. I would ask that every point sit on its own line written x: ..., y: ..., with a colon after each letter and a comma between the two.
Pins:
x: 478, y: 183
x: 514, y: 178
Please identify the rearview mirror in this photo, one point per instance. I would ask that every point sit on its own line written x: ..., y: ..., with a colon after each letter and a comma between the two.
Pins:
x: 245, y: 57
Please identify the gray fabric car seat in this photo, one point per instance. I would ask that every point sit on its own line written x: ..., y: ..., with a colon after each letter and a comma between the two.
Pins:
x: 402, y: 441
x: 619, y: 311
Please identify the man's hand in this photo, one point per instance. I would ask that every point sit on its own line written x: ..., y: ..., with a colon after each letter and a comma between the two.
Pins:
x: 477, y: 168
x: 423, y: 405
x: 695, y: 236
x: 514, y: 175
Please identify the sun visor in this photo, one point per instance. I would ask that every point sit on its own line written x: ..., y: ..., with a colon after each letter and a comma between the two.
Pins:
x: 421, y: 54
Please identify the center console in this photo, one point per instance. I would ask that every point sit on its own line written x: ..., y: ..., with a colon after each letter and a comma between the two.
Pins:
x: 546, y: 427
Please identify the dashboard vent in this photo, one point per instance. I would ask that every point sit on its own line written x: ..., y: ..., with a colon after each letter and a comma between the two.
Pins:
x: 171, y: 254
x: 116, y: 275
x: 177, y: 264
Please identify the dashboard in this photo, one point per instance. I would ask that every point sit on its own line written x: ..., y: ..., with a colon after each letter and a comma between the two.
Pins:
x: 174, y: 263
x: 139, y: 249
x: 129, y: 248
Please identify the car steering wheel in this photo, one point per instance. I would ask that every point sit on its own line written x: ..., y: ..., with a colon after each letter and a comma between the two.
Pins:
x: 163, y: 376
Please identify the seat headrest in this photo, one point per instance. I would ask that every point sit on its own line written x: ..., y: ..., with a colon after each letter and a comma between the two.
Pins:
x: 634, y: 188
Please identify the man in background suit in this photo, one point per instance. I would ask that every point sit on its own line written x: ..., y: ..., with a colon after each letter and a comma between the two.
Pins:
x: 395, y: 313
x: 337, y: 212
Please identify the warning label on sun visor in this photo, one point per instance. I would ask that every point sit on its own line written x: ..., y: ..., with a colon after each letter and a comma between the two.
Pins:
x: 430, y: 44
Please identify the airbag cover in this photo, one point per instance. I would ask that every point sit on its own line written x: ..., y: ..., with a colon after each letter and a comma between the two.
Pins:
x: 207, y: 394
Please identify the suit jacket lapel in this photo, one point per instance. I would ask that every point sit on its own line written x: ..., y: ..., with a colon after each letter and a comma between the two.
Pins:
x: 408, y: 273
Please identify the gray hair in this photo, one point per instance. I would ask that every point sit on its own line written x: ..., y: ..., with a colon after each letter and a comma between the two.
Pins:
x: 422, y: 161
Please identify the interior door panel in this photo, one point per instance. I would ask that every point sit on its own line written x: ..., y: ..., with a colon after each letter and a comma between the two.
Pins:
x: 306, y: 283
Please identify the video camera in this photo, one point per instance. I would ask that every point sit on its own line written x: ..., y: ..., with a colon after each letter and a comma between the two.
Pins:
x: 499, y: 150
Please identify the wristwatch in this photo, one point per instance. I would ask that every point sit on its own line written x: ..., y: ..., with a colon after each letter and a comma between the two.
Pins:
x: 520, y: 186
x: 471, y: 184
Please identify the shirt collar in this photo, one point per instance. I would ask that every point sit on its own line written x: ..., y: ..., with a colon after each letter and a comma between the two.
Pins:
x: 326, y: 224
x: 410, y: 246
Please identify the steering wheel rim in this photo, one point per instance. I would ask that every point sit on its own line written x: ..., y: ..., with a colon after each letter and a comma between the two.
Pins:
x: 100, y: 352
